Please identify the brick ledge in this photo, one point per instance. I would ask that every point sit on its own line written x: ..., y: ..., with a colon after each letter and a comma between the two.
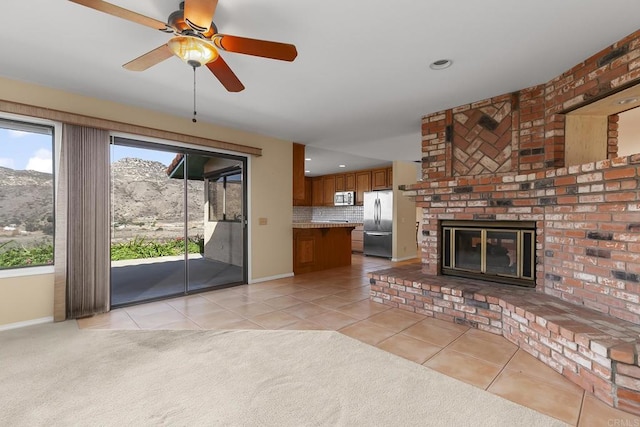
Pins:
x: 595, y: 351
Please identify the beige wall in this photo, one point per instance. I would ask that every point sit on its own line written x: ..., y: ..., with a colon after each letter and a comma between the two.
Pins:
x: 629, y: 132
x: 404, y: 210
x: 26, y: 298
x: 223, y: 241
x: 270, y: 189
x: 271, y: 196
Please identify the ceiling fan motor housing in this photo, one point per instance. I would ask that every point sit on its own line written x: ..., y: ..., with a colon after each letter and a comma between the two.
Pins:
x: 181, y: 26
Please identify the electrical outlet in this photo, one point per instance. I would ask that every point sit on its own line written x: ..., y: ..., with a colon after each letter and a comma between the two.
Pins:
x: 262, y: 221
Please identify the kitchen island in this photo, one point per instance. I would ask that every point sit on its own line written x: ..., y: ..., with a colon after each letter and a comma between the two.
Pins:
x: 321, y: 245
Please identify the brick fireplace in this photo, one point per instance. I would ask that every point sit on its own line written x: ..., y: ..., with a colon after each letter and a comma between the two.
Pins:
x: 519, y: 158
x: 498, y: 251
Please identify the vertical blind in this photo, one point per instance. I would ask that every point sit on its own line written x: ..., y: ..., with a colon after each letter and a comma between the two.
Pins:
x: 82, y: 273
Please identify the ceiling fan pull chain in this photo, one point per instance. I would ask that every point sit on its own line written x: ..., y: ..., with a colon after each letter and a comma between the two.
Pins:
x: 194, y: 95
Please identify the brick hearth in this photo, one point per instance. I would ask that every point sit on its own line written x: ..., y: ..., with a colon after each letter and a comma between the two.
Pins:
x: 595, y: 351
x: 508, y: 158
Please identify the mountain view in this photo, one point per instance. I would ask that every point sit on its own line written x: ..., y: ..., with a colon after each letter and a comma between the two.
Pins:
x: 26, y: 201
x: 143, y: 193
x: 143, y: 198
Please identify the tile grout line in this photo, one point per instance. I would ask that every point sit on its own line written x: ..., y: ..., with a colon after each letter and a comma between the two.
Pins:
x: 446, y: 346
x: 132, y: 319
x: 501, y: 370
x: 584, y: 397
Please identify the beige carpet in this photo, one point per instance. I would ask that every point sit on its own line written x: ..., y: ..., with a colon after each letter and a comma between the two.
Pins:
x: 57, y: 375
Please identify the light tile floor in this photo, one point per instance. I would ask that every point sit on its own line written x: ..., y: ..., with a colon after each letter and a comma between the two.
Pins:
x: 337, y: 299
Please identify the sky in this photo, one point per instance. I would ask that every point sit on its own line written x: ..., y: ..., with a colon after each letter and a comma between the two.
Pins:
x: 21, y: 150
x: 25, y: 150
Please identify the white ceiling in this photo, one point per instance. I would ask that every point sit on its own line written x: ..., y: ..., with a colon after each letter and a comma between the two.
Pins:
x: 361, y: 81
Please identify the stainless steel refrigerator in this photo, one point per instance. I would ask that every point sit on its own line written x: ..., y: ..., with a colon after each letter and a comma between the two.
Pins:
x: 378, y: 223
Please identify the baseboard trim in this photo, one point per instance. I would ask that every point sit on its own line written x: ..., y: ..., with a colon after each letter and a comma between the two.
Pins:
x: 16, y: 325
x: 266, y: 279
x: 403, y: 259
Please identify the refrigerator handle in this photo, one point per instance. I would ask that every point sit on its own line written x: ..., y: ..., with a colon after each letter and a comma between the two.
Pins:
x: 375, y: 211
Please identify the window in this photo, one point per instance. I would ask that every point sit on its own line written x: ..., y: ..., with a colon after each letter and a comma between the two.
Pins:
x: 224, y: 196
x: 26, y: 194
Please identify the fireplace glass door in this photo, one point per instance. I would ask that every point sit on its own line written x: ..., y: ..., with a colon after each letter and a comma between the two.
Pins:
x: 491, y: 253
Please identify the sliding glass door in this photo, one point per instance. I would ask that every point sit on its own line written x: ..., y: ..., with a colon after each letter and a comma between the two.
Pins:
x: 222, y: 222
x: 178, y: 221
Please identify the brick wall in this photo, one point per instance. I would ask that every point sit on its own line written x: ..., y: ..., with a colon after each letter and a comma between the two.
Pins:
x: 482, y: 140
x: 587, y: 216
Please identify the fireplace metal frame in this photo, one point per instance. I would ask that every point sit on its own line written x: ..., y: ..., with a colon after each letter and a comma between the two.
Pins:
x: 525, y: 236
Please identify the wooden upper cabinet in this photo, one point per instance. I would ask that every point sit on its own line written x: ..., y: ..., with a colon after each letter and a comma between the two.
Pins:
x: 320, y: 190
x: 379, y: 179
x: 363, y: 184
x: 298, y: 175
x: 329, y: 185
x: 308, y: 191
x: 340, y: 183
x: 317, y: 192
x: 350, y: 181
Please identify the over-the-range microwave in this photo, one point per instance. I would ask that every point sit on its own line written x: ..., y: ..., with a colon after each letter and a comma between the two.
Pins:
x: 344, y: 198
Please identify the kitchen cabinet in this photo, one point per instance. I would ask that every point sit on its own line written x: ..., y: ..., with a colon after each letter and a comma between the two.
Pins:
x: 300, y: 195
x: 298, y: 174
x: 321, y: 189
x: 317, y: 191
x: 340, y: 182
x: 308, y: 189
x: 363, y: 184
x: 329, y: 188
x: 379, y: 179
x: 350, y: 181
x: 321, y: 247
x: 357, y: 239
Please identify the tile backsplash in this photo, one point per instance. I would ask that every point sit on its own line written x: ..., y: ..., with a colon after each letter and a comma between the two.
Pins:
x: 327, y: 213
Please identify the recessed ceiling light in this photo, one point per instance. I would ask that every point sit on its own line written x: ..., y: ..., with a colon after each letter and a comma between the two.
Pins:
x: 342, y: 166
x: 307, y: 171
x: 627, y: 101
x: 308, y: 158
x: 441, y: 64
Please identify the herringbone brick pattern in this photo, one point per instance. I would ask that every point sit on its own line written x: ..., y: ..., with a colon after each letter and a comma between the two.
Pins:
x: 482, y: 140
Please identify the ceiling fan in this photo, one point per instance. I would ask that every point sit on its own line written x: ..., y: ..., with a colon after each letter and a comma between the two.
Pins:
x: 195, y: 40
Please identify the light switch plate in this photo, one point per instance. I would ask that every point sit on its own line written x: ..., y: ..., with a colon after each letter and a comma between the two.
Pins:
x: 262, y: 221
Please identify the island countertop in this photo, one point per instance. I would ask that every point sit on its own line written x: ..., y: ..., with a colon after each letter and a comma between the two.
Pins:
x: 326, y: 224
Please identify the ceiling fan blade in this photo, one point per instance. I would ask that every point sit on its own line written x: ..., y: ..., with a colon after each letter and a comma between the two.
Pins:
x: 199, y: 13
x: 120, y: 12
x: 149, y: 59
x: 227, y: 77
x: 263, y: 48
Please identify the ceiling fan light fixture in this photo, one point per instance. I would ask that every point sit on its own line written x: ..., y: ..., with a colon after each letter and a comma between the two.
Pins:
x: 192, y: 50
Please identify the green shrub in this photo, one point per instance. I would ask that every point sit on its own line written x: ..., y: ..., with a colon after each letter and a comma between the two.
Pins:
x: 140, y: 247
x: 12, y: 256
